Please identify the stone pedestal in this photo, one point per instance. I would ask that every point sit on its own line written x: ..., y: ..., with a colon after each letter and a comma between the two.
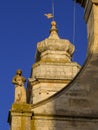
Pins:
x: 20, y: 117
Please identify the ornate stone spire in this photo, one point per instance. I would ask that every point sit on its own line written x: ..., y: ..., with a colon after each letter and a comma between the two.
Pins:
x: 53, y: 68
x: 54, y: 48
x: 53, y: 31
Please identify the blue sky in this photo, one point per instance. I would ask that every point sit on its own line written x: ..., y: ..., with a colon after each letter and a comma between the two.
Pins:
x: 22, y: 25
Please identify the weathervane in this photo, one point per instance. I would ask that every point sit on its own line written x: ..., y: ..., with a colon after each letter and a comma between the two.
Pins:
x: 51, y: 15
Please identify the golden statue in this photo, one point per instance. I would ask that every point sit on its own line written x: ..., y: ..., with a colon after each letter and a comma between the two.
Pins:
x: 20, y: 92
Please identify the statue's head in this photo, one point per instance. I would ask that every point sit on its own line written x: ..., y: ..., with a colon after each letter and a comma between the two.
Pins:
x: 19, y: 72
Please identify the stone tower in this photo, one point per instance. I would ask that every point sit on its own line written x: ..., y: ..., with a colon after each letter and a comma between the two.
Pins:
x: 53, y: 68
x: 75, y: 107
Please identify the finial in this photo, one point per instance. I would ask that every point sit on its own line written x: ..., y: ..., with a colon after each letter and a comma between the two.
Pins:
x: 53, y: 23
x: 53, y: 27
x: 53, y: 31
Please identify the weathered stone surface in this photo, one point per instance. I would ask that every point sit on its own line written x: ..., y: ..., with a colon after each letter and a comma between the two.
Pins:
x: 95, y: 1
x: 20, y: 92
x: 54, y: 46
x: 63, y: 123
x: 20, y: 107
x: 76, y: 106
x: 20, y: 117
x: 53, y: 69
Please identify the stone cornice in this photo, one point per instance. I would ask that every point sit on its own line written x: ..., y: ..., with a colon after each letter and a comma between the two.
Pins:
x: 95, y: 1
x: 87, y: 4
x: 82, y: 2
x: 41, y: 80
x: 88, y: 8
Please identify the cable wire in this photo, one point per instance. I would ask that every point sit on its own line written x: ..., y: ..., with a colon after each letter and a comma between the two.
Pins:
x: 74, y: 22
x: 53, y: 8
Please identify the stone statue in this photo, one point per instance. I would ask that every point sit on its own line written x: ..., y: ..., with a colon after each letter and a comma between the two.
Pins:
x: 20, y: 92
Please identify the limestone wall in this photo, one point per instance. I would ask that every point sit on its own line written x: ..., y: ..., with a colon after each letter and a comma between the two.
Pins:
x: 63, y: 123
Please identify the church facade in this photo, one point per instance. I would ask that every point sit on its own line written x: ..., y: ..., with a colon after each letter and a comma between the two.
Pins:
x: 54, y: 100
